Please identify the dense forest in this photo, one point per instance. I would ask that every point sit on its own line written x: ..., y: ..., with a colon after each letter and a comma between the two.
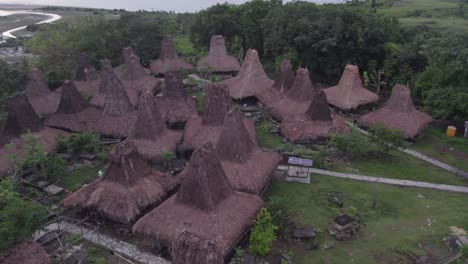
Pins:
x: 321, y: 38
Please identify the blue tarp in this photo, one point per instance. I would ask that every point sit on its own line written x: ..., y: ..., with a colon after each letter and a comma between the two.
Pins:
x: 300, y: 162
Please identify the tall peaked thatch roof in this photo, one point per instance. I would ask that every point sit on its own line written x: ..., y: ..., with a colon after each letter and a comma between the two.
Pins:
x: 116, y: 100
x: 71, y: 100
x: 168, y: 60
x: 35, y: 85
x: 86, y: 77
x: 316, y: 123
x: 208, y: 127
x: 205, y: 207
x: 28, y: 252
x: 283, y: 83
x: 44, y: 101
x: 350, y: 92
x: 175, y: 106
x: 399, y: 113
x: 218, y: 60
x: 296, y: 100
x: 128, y: 187
x: 251, y: 78
x: 134, y: 75
x: 150, y: 134
x: 247, y: 167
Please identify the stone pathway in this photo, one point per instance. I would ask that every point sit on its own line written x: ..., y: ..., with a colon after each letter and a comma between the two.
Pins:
x: 420, y: 156
x: 112, y: 244
x: 406, y: 183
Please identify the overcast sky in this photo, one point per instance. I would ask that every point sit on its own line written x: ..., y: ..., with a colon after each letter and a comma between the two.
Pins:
x: 167, y: 5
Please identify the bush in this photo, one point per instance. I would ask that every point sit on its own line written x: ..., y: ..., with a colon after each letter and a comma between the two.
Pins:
x: 354, y: 144
x: 319, y: 156
x: 279, y: 215
x: 386, y: 139
x: 263, y: 234
x: 78, y: 143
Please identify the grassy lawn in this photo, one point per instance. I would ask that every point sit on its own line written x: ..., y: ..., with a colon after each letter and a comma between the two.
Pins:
x: 436, y: 144
x: 75, y: 179
x: 400, y: 220
x: 267, y: 139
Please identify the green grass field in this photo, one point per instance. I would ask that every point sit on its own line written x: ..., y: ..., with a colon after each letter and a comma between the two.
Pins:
x: 402, y: 219
x: 74, y: 180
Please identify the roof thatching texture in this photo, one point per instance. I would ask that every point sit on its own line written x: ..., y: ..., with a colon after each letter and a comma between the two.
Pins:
x: 28, y: 252
x: 247, y: 167
x: 206, y: 207
x: 109, y: 78
x: 208, y: 127
x: 188, y: 248
x: 74, y: 113
x: 134, y: 75
x: 399, y: 113
x: 22, y: 119
x: 317, y: 123
x: 296, y: 100
x: 350, y: 93
x: 168, y: 60
x: 128, y: 187
x: 251, y: 78
x: 86, y: 77
x: 43, y: 100
x: 283, y: 82
x: 218, y: 60
x: 175, y: 105
x: 150, y: 134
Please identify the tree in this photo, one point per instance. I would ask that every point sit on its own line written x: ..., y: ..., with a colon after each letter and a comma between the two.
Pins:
x: 263, y: 234
x: 386, y: 139
x: 354, y: 144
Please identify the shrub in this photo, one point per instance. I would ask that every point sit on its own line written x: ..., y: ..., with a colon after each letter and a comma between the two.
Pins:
x: 385, y: 139
x: 354, y: 144
x: 79, y: 143
x: 319, y: 156
x: 263, y: 234
x: 279, y: 215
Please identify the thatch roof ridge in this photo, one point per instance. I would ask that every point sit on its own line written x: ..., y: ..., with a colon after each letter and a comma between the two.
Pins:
x: 319, y: 108
x: 71, y: 101
x: 204, y: 185
x: 302, y: 88
x: 400, y: 100
x: 218, y: 59
x: 285, y: 79
x: 106, y: 71
x: 116, y: 101
x: 174, y: 85
x: 133, y: 69
x: 169, y: 60
x: 85, y: 71
x: 21, y: 118
x: 235, y: 143
x: 150, y: 124
x: 216, y: 105
x: 35, y: 84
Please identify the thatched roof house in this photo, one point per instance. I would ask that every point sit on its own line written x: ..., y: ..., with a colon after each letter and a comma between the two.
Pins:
x: 283, y: 82
x: 399, y: 113
x: 128, y: 187
x: 110, y: 78
x: 218, y: 60
x: 86, y: 77
x: 73, y: 113
x: 134, y: 75
x: 206, y: 210
x: 22, y: 119
x: 208, y: 127
x: 296, y: 100
x: 28, y: 252
x: 350, y: 93
x: 175, y: 106
x: 317, y: 122
x: 43, y: 100
x: 248, y: 168
x: 251, y: 78
x: 150, y: 134
x: 168, y: 60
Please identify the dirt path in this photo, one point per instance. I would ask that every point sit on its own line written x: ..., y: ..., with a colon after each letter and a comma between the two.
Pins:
x: 440, y: 187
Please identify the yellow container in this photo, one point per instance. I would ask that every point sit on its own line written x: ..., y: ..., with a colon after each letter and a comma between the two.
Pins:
x: 451, y: 131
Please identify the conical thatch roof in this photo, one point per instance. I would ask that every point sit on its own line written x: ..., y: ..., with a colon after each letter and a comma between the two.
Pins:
x: 247, y: 167
x: 168, y: 60
x: 218, y: 59
x: 399, y: 113
x: 208, y: 127
x: 316, y: 123
x: 205, y: 206
x: 150, y: 133
x: 283, y: 83
x: 134, y: 75
x: 251, y: 78
x: 296, y: 100
x: 28, y: 252
x: 109, y: 78
x: 174, y: 105
x: 44, y: 101
x: 22, y: 119
x: 86, y: 77
x: 128, y: 187
x: 350, y: 93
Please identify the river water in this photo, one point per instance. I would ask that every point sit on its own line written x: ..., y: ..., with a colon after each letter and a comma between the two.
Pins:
x: 49, y: 18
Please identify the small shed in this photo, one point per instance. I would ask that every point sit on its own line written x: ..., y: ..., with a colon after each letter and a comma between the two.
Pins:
x: 298, y: 170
